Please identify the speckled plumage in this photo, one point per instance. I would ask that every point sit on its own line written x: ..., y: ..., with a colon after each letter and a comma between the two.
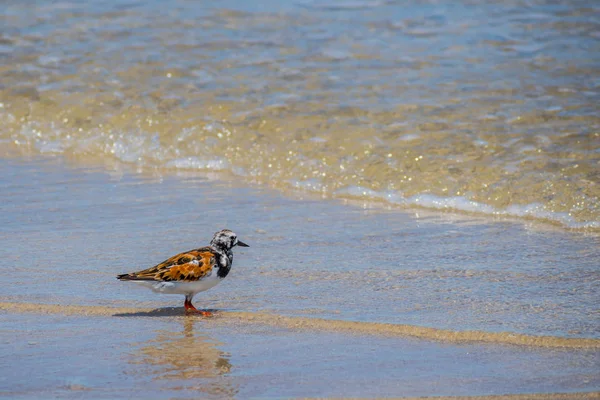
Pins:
x: 192, y: 271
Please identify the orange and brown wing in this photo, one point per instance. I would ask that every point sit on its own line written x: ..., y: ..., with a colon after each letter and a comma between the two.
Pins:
x: 192, y: 265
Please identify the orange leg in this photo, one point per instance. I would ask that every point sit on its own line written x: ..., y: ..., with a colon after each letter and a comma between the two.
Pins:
x: 189, y: 308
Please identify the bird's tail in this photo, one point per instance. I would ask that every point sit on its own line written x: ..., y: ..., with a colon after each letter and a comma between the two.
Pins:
x: 134, y: 277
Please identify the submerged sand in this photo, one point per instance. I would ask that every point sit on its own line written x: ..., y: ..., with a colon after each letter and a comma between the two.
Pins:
x: 316, y: 325
x: 445, y: 106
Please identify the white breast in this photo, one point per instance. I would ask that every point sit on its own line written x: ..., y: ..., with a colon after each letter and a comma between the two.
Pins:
x: 183, y: 287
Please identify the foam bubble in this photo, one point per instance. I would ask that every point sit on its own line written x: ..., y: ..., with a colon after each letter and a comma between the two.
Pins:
x: 537, y: 210
x: 453, y: 203
x: 311, y: 185
x: 215, y: 164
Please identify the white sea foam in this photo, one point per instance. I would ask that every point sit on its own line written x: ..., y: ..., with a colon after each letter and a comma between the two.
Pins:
x: 357, y: 191
x: 50, y: 147
x: 311, y: 185
x: 214, y: 164
x: 537, y: 210
x: 450, y: 203
x: 460, y: 203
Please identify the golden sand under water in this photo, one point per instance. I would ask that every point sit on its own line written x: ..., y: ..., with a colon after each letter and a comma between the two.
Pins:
x: 316, y: 324
x: 300, y: 148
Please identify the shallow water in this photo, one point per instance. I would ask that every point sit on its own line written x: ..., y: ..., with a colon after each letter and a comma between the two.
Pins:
x: 67, y: 230
x: 488, y: 107
x: 190, y: 358
x: 312, y: 257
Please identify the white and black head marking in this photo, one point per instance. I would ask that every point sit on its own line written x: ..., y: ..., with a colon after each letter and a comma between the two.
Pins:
x: 226, y: 240
x: 223, y: 242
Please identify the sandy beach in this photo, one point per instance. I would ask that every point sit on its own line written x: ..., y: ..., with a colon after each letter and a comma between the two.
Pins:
x: 299, y: 305
x: 418, y: 182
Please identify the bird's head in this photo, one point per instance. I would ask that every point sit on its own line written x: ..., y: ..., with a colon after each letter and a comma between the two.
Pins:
x: 226, y: 240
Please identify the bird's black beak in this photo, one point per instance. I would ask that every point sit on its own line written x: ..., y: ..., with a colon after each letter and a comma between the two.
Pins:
x: 240, y: 243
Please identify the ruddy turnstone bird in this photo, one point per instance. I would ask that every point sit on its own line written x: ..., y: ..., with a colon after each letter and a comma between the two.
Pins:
x: 191, y: 272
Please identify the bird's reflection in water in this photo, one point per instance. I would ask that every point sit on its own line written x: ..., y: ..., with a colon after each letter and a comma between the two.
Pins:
x: 189, y: 357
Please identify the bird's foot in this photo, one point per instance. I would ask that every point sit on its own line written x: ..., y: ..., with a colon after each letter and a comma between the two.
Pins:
x: 205, y: 313
x: 190, y: 309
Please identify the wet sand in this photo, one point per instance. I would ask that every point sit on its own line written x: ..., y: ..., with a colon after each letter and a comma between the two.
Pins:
x: 380, y: 302
x: 316, y: 324
x: 443, y: 105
